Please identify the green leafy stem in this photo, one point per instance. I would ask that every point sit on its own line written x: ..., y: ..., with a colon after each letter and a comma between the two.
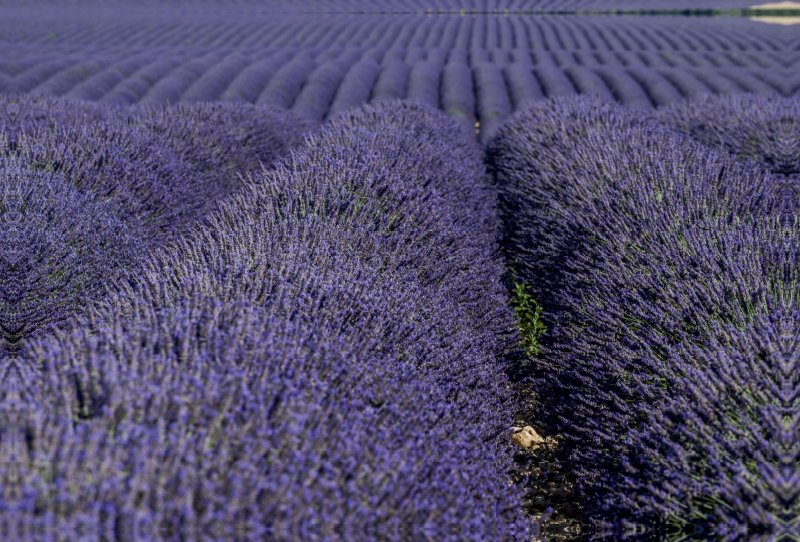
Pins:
x: 529, y: 318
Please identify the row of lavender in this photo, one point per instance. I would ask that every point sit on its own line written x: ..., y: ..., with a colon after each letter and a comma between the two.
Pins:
x: 478, y: 69
x: 123, y: 62
x: 404, y: 6
x: 663, y: 248
x: 322, y: 349
x: 316, y: 350
x: 120, y: 30
x: 473, y: 86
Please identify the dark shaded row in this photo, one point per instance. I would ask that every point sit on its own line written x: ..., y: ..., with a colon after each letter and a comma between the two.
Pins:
x: 667, y: 272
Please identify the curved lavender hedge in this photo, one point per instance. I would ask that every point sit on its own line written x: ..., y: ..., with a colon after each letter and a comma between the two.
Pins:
x: 664, y: 267
x: 219, y: 142
x: 89, y: 189
x: 57, y: 246
x: 165, y: 165
x: 765, y: 129
x: 324, y: 356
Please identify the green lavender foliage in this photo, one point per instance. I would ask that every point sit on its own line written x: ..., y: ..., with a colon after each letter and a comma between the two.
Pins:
x: 529, y: 318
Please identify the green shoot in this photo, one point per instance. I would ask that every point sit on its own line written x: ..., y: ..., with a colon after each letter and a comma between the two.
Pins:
x: 529, y: 318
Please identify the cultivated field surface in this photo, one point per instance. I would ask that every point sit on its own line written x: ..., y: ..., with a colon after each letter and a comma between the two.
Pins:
x: 399, y: 270
x: 476, y: 67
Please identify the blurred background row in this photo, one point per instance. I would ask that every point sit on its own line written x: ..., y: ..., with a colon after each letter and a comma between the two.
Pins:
x: 478, y: 68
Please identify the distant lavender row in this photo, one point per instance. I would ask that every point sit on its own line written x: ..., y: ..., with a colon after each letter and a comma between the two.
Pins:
x: 114, y: 29
x: 324, y: 356
x: 667, y: 271
x: 479, y: 68
x: 475, y: 86
x: 360, y: 6
x: 23, y: 60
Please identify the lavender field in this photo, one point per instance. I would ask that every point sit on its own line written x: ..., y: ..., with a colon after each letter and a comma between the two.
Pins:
x: 399, y: 270
x: 477, y: 68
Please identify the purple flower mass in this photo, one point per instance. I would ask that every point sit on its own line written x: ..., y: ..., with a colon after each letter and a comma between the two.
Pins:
x: 666, y: 269
x: 280, y: 351
x: 398, y: 270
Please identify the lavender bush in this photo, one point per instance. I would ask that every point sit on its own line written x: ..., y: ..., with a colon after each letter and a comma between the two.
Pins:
x: 715, y: 81
x: 89, y: 189
x: 747, y: 81
x: 458, y: 95
x: 101, y: 83
x: 302, y: 364
x: 247, y: 86
x: 763, y: 129
x: 58, y: 244
x: 318, y: 91
x: 522, y: 86
x: 553, y: 81
x: 198, y: 342
x: 492, y: 99
x: 67, y: 79
x: 210, y: 53
x: 171, y: 88
x: 356, y: 86
x: 213, y: 82
x: 284, y: 86
x: 688, y: 85
x: 660, y: 91
x: 391, y: 82
x: 423, y: 83
x: 132, y: 89
x: 664, y: 268
x: 624, y: 88
x: 142, y: 157
x: 588, y: 82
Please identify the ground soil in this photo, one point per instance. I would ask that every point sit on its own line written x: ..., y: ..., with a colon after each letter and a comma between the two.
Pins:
x: 546, y: 486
